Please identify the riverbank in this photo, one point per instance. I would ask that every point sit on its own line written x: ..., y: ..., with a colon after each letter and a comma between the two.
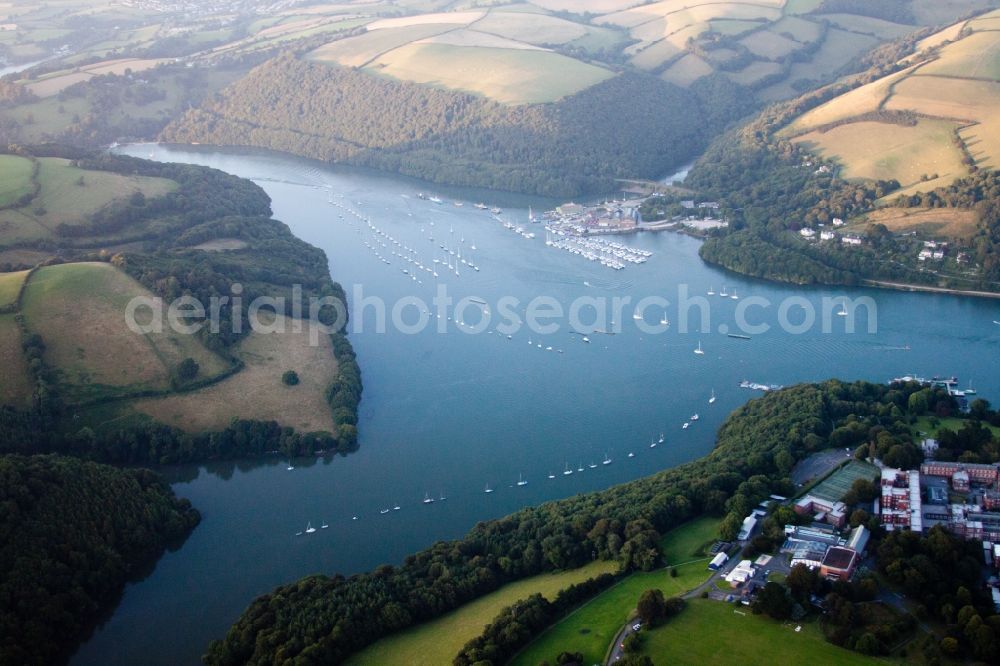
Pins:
x: 902, y: 286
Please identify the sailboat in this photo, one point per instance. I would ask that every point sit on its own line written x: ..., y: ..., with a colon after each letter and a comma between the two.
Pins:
x: 663, y: 320
x: 428, y: 499
x: 712, y: 399
x: 686, y: 426
x: 567, y: 471
x: 660, y: 441
x: 723, y: 292
x: 652, y: 443
x: 383, y: 511
x: 551, y: 475
x: 324, y: 526
x: 592, y: 465
x: 607, y: 460
x: 488, y: 489
x: 521, y: 481
x: 711, y: 291
x: 290, y: 467
x: 631, y: 455
x: 694, y: 417
x: 734, y: 296
x: 531, y: 215
x: 580, y: 468
x: 699, y: 350
x: 637, y: 315
x: 309, y: 528
x: 843, y: 310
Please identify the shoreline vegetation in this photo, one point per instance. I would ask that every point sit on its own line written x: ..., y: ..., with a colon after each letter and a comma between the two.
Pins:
x: 70, y: 408
x: 325, y: 618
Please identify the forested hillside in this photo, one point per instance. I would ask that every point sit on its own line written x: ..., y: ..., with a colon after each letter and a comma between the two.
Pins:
x: 71, y: 533
x: 322, y: 619
x: 633, y: 125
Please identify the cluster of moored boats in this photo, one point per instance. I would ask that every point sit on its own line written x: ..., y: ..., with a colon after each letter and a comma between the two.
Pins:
x: 754, y: 386
x: 605, y: 252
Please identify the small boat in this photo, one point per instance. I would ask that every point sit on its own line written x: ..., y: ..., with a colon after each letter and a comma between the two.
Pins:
x: 290, y: 467
x: 436, y: 200
x: 309, y: 528
x: 694, y: 417
x: 652, y: 443
x: 442, y: 497
x: 631, y: 455
x: 968, y: 391
x: 723, y: 293
x: 685, y: 426
x: 428, y: 499
x: 660, y: 441
x: 521, y: 481
x: 607, y: 460
x: 586, y: 339
x: 711, y: 291
x: 842, y: 312
x: 383, y: 511
x: 480, y: 206
x: 663, y: 320
x: 699, y: 350
x: 354, y: 517
x: 488, y: 489
x: 592, y: 465
x: 580, y: 468
x: 396, y: 508
x: 567, y: 471
x: 712, y: 399
x: 298, y: 534
x: 636, y: 315
x: 551, y: 475
x: 734, y: 296
x: 324, y: 526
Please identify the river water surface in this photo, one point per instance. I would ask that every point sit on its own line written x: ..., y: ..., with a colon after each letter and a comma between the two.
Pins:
x: 447, y: 414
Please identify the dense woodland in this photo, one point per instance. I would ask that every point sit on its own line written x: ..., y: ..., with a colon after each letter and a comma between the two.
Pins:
x: 208, y: 204
x: 322, y: 619
x: 632, y: 125
x: 71, y: 534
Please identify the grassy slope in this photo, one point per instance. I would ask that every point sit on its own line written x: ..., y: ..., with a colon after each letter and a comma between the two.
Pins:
x: 438, y: 641
x: 711, y: 632
x: 10, y: 287
x: 923, y: 425
x: 78, y: 309
x: 16, y: 181
x: 592, y: 627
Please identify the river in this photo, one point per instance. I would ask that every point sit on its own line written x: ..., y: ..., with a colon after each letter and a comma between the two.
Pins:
x: 450, y: 413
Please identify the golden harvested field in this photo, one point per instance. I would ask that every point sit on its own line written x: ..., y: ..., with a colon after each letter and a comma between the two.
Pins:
x: 687, y: 70
x: 257, y: 391
x: 884, y: 151
x: 455, y: 18
x: 859, y: 101
x: 10, y: 287
x: 15, y: 380
x: 591, y: 6
x: 654, y: 55
x: 79, y: 310
x: 977, y: 56
x: 221, y: 245
x: 531, y: 28
x: 359, y: 51
x: 948, y: 34
x: 506, y: 75
x: 938, y: 222
x: 465, y: 37
x: 983, y: 142
x: 947, y: 98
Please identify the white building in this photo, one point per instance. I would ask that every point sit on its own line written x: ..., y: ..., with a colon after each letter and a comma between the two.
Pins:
x: 717, y: 561
x: 807, y: 232
x: 850, y: 240
x: 826, y: 235
x: 741, y: 574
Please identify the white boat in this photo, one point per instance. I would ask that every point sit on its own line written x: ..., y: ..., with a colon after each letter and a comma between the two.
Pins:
x: 723, y: 293
x: 652, y: 443
x: 660, y: 441
x: 699, y: 349
x: 567, y: 471
x: 481, y: 206
x: 636, y: 315
x: 551, y: 475
x: 383, y: 511
x: 685, y: 426
x: 663, y: 320
x: 607, y: 460
x: 586, y: 339
x: 631, y: 455
x: 970, y: 390
x: 396, y: 508
x: 592, y: 465
x: 428, y: 499
x: 712, y: 399
x: 521, y: 481
x: 842, y: 312
x: 309, y: 528
x: 324, y: 526
x: 488, y: 489
x: 711, y: 291
x: 694, y: 417
x: 436, y: 200
x: 580, y: 468
x: 290, y: 467
x: 734, y: 296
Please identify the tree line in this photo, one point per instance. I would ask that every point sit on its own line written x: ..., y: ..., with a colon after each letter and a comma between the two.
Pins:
x: 323, y: 619
x: 71, y: 534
